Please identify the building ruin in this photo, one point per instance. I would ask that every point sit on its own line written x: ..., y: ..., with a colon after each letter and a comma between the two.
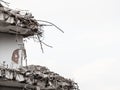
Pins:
x: 14, y: 27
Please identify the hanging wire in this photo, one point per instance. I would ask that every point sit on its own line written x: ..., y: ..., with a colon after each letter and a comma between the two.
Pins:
x: 41, y: 32
x: 52, y: 25
x: 40, y: 44
x: 46, y: 44
x: 39, y: 36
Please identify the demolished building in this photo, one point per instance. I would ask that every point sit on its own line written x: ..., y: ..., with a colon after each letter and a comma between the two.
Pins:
x: 14, y: 27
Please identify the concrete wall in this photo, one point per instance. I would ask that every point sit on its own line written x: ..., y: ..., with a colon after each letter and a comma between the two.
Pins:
x: 9, y: 43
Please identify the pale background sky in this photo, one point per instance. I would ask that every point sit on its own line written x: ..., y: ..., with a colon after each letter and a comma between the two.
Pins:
x: 89, y: 50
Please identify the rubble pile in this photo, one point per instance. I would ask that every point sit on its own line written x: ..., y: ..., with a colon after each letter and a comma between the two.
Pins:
x: 39, y: 76
x: 44, y: 78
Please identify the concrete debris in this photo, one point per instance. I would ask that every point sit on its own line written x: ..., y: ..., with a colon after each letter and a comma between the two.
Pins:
x: 24, y: 22
x: 38, y: 76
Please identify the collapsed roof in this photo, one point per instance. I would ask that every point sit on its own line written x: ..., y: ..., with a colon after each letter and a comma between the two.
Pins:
x: 18, y: 22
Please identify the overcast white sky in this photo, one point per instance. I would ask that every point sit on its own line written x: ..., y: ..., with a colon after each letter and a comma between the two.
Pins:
x: 89, y: 50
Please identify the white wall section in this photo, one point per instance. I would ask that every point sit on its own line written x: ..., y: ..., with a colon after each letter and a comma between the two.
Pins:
x: 9, y: 43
